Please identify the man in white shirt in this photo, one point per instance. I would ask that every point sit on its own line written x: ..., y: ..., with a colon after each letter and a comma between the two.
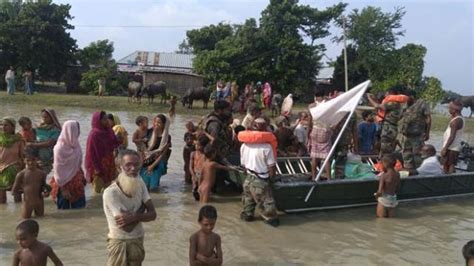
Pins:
x: 126, y: 205
x: 430, y: 164
x: 10, y: 80
x: 259, y: 162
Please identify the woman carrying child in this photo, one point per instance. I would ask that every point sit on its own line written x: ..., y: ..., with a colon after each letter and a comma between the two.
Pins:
x: 156, y: 159
x: 68, y: 182
x: 11, y: 157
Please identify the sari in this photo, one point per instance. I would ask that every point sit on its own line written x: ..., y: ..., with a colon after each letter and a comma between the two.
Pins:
x: 267, y: 95
x: 100, y: 160
x: 11, y: 153
x: 46, y: 132
x: 67, y: 169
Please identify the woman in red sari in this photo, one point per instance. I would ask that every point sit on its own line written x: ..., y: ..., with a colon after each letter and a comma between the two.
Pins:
x: 68, y: 182
x: 100, y: 160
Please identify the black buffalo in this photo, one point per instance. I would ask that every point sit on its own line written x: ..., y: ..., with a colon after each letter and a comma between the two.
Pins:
x: 467, y: 101
x: 194, y: 94
x: 157, y: 88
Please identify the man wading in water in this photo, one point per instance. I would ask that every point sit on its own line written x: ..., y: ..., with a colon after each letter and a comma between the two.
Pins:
x: 126, y: 205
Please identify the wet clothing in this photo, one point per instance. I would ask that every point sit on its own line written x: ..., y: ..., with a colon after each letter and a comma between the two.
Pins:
x: 152, y: 180
x: 75, y: 187
x: 388, y: 201
x: 257, y: 193
x: 11, y: 152
x: 44, y: 133
x: 367, y: 133
x: 125, y: 252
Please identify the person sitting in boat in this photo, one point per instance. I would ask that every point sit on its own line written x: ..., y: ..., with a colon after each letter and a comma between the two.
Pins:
x: 389, y: 183
x: 430, y: 164
x: 284, y: 135
x: 253, y: 112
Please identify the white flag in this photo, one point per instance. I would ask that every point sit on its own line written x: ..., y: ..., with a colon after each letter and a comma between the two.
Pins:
x: 331, y: 112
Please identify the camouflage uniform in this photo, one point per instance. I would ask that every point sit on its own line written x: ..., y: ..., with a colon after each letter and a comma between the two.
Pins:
x: 413, y: 129
x: 388, y: 136
x: 257, y: 192
x: 342, y: 148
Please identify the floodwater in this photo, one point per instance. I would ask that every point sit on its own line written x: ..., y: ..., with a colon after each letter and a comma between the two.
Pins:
x: 425, y: 233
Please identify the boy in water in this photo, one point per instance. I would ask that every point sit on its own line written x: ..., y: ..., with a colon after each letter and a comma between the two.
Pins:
x: 196, y: 162
x: 388, y: 184
x: 32, y: 251
x: 140, y: 135
x: 187, y: 150
x: 208, y: 174
x: 27, y: 131
x: 32, y: 182
x: 205, y: 245
x: 173, y: 102
x: 190, y: 127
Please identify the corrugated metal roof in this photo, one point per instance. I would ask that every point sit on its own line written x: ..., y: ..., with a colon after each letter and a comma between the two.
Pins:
x: 167, y: 60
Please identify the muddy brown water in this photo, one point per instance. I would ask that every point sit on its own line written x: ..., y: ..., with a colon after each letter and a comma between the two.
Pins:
x: 424, y: 233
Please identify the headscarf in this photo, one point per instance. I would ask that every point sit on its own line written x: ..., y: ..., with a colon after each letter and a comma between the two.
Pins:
x: 67, y: 153
x: 53, y: 116
x: 7, y: 140
x: 120, y: 130
x: 100, y: 143
x: 267, y: 90
x: 164, y: 136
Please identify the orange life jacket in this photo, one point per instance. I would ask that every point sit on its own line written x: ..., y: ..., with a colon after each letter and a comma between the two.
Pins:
x: 251, y: 136
x: 390, y: 98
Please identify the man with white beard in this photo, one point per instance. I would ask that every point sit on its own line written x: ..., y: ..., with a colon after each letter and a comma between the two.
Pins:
x: 126, y: 205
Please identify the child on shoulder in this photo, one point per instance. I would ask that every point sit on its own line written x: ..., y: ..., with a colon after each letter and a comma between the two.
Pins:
x: 140, y: 135
x: 205, y: 245
x: 27, y: 131
x: 187, y: 150
x: 208, y: 174
x: 32, y: 251
x: 32, y: 182
x: 389, y: 183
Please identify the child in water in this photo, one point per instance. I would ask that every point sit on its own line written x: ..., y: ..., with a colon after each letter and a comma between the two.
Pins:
x: 205, y: 245
x: 32, y: 251
x: 140, y: 135
x: 389, y: 182
x: 187, y: 150
x: 173, y: 102
x: 27, y: 131
x: 196, y: 162
x: 208, y: 173
x: 32, y: 182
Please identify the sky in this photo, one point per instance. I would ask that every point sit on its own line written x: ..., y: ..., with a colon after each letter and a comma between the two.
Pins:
x: 444, y: 27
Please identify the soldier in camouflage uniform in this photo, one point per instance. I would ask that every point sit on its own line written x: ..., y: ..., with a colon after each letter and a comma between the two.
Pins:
x: 348, y: 138
x: 259, y: 162
x: 415, y: 130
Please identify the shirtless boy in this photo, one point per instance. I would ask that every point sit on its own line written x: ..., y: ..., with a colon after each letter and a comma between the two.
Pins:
x: 187, y: 150
x: 32, y: 252
x: 196, y: 162
x: 32, y: 181
x: 140, y: 135
x: 205, y: 245
x: 208, y: 174
x: 172, y: 110
x: 388, y: 185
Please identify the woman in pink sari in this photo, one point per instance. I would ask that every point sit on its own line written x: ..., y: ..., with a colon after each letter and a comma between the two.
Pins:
x: 100, y: 160
x: 267, y: 95
x: 68, y: 181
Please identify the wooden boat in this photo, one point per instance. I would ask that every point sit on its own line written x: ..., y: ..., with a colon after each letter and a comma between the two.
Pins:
x: 292, y: 185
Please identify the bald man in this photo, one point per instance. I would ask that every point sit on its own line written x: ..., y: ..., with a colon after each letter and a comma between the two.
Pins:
x: 430, y: 164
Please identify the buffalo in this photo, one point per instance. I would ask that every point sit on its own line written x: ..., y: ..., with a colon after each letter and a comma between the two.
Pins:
x: 193, y: 94
x: 157, y: 88
x: 134, y: 92
x: 467, y: 101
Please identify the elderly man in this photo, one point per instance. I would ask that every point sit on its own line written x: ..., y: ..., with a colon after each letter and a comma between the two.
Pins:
x: 259, y: 162
x: 452, y: 137
x: 126, y: 205
x: 430, y: 164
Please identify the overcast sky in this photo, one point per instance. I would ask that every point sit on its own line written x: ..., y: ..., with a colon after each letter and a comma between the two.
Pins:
x: 445, y: 28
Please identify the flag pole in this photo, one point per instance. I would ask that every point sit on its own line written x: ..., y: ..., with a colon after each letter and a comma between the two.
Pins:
x: 331, y: 151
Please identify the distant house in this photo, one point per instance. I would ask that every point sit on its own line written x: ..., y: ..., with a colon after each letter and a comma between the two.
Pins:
x: 174, y: 69
x: 325, y: 75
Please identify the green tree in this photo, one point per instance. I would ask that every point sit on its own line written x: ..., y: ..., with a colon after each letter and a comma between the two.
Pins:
x: 206, y: 38
x: 431, y: 90
x: 184, y: 48
x: 410, y: 64
x: 355, y: 70
x: 97, y: 53
x: 35, y: 35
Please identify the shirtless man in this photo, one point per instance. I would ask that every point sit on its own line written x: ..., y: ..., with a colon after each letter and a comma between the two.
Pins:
x: 205, y: 245
x: 208, y: 173
x: 32, y: 251
x: 31, y: 181
x: 389, y: 183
